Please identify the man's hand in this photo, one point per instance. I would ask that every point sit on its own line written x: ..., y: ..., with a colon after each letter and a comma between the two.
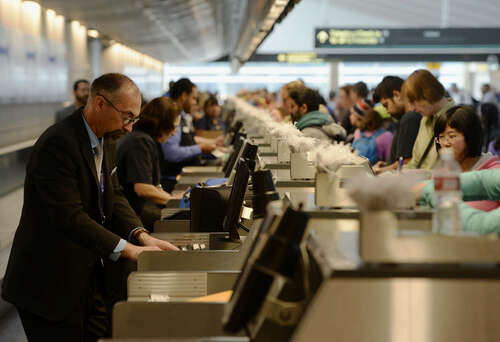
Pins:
x: 207, y: 148
x: 378, y: 166
x: 132, y: 251
x: 148, y: 240
x: 219, y: 141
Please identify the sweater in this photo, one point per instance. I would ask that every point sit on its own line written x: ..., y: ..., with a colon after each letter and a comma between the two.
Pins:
x: 475, y: 186
x: 320, y: 126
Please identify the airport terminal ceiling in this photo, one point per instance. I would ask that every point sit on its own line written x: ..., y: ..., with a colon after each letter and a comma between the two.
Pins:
x: 178, y: 31
x: 173, y: 31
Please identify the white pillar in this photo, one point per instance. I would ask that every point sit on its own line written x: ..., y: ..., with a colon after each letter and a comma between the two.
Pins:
x: 95, y: 51
x: 334, y: 75
x: 78, y: 59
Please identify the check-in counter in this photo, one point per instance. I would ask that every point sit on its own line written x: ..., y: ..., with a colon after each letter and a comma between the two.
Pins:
x: 265, y: 147
x: 371, y: 276
x: 188, y: 170
x: 178, y: 285
x: 222, y: 254
x: 297, y: 191
x: 408, y: 287
x: 146, y: 320
x: 320, y: 222
x: 279, y: 171
x: 401, y: 303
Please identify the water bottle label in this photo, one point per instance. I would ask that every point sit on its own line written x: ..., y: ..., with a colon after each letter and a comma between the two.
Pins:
x: 447, y: 183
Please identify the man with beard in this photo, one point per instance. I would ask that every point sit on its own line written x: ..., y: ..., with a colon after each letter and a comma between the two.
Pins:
x: 304, y: 109
x: 388, y: 92
x: 75, y: 219
x: 81, y: 95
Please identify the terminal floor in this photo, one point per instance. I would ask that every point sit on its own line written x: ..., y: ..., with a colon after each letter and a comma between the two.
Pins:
x: 10, y: 211
x: 10, y: 328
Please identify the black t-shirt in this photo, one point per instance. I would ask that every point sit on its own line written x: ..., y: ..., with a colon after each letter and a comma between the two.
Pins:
x: 404, y: 136
x: 137, y: 162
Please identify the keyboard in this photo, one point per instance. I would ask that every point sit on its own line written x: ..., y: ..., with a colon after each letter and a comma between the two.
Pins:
x: 193, y: 247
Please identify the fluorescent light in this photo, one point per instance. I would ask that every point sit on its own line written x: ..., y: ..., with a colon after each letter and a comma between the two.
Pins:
x: 31, y: 5
x: 93, y: 33
x: 60, y: 20
x: 51, y: 14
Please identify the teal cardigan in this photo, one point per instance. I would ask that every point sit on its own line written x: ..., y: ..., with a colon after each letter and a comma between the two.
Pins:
x: 476, y: 186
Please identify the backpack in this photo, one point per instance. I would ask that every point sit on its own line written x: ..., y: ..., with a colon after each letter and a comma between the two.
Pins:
x: 367, y: 146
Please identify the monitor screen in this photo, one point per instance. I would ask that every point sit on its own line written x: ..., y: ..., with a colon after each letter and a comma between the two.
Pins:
x: 275, y: 253
x: 238, y: 147
x: 233, y: 133
x: 274, y: 212
x: 236, y: 197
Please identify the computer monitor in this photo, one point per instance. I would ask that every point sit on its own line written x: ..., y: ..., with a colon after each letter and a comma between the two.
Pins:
x: 230, y: 223
x: 228, y: 167
x: 276, y: 253
x: 273, y: 213
x: 249, y: 154
x: 264, y: 192
x: 233, y: 132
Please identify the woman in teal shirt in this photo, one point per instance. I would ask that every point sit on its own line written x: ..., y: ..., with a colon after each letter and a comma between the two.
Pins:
x: 476, y: 186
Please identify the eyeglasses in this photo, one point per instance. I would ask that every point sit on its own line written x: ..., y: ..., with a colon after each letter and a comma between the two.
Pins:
x: 442, y: 139
x: 127, y: 117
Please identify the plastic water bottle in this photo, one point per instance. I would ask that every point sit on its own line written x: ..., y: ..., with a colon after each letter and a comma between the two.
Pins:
x: 447, y: 171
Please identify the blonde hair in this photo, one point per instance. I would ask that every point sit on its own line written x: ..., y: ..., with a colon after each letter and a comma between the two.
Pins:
x: 293, y: 85
x: 422, y: 85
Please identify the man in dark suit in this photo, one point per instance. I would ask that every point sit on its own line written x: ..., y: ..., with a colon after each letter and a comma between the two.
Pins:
x: 74, y: 218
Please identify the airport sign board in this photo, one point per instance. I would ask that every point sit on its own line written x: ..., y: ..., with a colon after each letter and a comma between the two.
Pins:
x: 406, y: 38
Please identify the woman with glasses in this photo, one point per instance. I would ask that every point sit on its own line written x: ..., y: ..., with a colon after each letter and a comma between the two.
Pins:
x: 460, y: 129
x: 138, y: 158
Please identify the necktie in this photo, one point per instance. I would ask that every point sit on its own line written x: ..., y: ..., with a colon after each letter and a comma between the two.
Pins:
x: 98, y: 157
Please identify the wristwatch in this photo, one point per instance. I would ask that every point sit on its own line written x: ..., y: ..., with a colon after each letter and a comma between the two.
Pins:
x: 137, y: 232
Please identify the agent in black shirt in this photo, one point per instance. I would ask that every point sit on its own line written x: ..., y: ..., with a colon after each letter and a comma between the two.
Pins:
x: 138, y: 158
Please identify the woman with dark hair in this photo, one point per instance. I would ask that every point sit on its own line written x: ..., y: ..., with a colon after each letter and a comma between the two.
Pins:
x: 211, y: 120
x: 138, y: 158
x: 371, y: 140
x: 460, y: 129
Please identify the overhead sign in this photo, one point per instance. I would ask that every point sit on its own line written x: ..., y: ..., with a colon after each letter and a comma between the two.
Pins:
x: 298, y: 57
x: 433, y: 66
x: 380, y: 37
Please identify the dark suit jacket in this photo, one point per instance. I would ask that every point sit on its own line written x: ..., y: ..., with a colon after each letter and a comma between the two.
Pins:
x: 64, y: 228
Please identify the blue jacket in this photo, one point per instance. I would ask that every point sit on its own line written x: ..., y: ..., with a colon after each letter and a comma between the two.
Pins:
x: 174, y: 152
